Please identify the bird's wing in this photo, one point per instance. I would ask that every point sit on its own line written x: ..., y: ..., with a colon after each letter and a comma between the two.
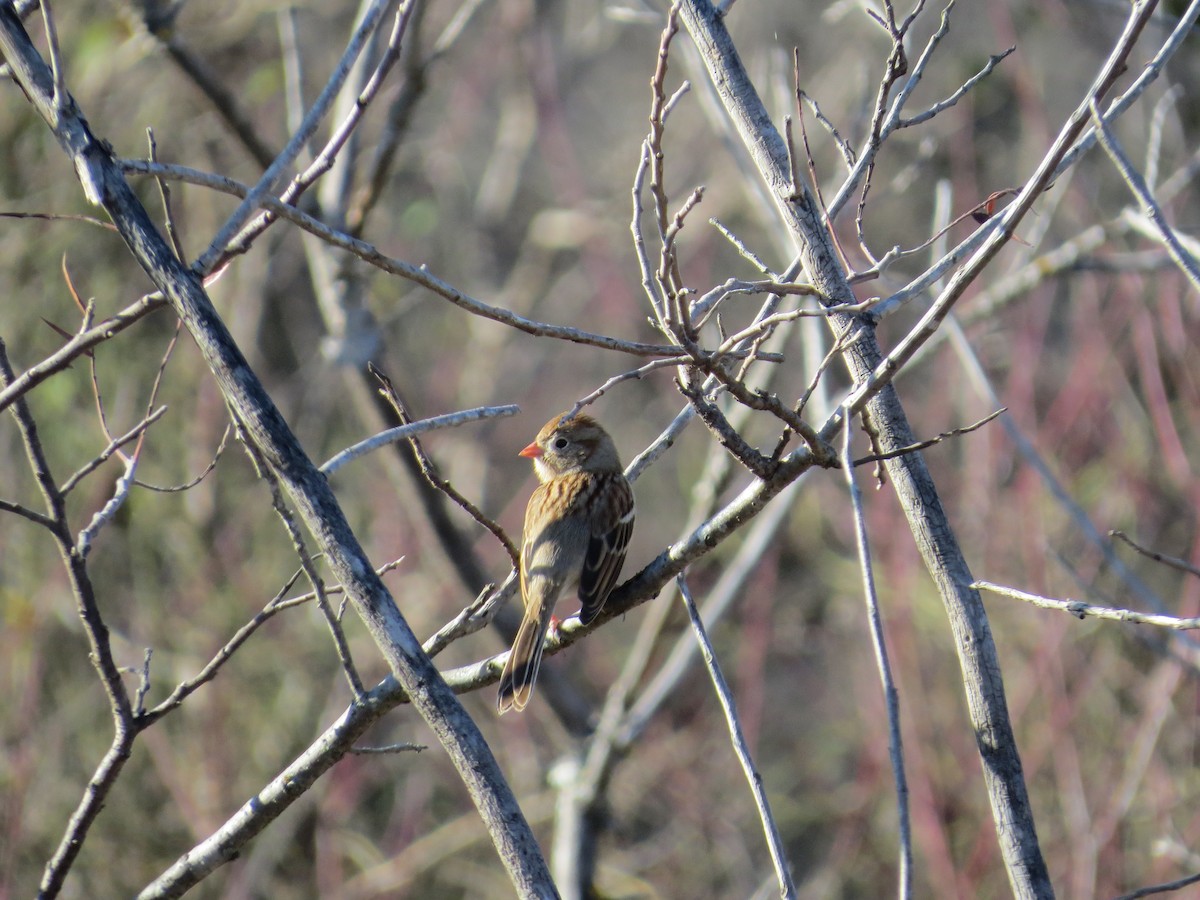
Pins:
x: 605, y: 555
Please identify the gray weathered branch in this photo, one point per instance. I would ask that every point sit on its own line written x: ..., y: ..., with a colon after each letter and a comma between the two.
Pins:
x: 104, y: 184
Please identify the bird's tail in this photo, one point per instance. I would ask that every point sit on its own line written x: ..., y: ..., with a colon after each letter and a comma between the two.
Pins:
x: 521, y: 668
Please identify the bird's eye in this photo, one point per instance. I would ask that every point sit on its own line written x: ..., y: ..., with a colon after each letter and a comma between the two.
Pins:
x: 561, y: 443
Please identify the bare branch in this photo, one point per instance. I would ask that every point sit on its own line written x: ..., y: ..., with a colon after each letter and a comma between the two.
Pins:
x: 309, y: 489
x: 474, y: 616
x: 114, y: 445
x: 1082, y: 610
x: 307, y: 566
x: 79, y: 346
x: 405, y: 432
x: 188, y: 485
x: 429, y: 470
x: 921, y: 445
x: 1164, y: 888
x: 783, y: 874
x: 1174, y: 562
x: 417, y: 274
x: 388, y: 749
x: 60, y: 217
x: 1138, y: 187
x: 846, y: 151
x: 942, y: 105
x: 25, y: 513
x: 266, y: 184
x: 891, y: 694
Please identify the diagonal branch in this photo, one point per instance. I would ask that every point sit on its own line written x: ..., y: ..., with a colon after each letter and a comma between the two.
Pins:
x: 914, y: 486
x: 315, y: 502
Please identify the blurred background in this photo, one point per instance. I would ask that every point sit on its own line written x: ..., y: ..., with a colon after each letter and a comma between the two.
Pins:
x: 515, y: 130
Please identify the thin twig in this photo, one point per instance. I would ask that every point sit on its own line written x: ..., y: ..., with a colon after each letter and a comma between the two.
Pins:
x: 704, y: 305
x: 980, y: 212
x: 61, y: 217
x: 104, y: 515
x: 839, y: 346
x: 1172, y: 561
x: 164, y: 192
x: 1082, y: 610
x: 419, y: 275
x: 770, y: 322
x: 632, y: 375
x: 891, y: 695
x: 474, y: 616
x: 429, y: 470
x: 56, y: 64
x: 26, y: 513
x: 188, y: 485
x: 810, y: 159
x: 78, y: 346
x: 308, y: 566
x: 1138, y: 187
x: 942, y: 105
x: 657, y: 121
x: 787, y: 888
x: 114, y: 446
x: 1164, y: 107
x: 143, y: 688
x: 1165, y: 888
x: 749, y: 255
x: 649, y: 284
x: 921, y: 445
x: 844, y: 148
x: 276, y: 605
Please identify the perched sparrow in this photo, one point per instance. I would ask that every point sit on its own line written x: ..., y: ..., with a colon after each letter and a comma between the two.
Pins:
x: 577, y: 527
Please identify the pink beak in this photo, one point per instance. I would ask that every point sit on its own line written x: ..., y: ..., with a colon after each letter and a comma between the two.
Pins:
x: 533, y: 451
